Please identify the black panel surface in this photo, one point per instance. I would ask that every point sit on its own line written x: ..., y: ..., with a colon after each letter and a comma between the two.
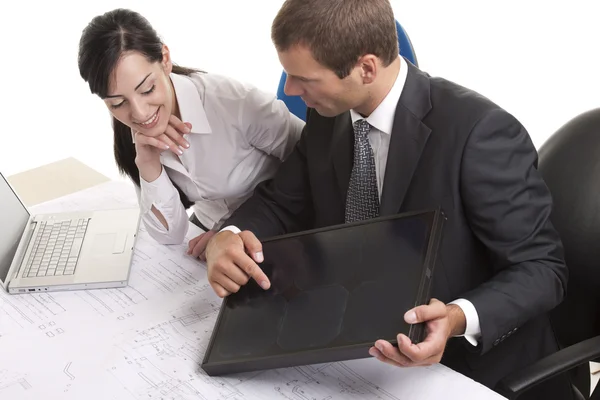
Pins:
x: 331, y: 294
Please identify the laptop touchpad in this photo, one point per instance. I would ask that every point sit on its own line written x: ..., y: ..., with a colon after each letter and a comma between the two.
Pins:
x: 109, y: 243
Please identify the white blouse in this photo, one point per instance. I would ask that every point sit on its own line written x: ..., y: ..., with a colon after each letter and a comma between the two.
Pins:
x: 239, y: 137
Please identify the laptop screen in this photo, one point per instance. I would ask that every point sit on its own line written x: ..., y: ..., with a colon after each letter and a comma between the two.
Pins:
x: 13, y: 220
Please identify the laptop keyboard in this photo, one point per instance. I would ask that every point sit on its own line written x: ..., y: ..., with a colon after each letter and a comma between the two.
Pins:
x: 56, y: 248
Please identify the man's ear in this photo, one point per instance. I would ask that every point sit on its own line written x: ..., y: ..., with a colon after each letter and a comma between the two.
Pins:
x: 167, y: 64
x: 368, y: 68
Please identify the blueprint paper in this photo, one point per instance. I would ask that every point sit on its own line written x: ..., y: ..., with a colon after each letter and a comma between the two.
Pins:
x: 146, y: 341
x: 156, y: 271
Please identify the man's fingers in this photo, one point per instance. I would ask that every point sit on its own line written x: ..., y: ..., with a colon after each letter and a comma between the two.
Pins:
x: 395, y: 356
x: 434, y: 310
x: 431, y: 347
x: 391, y: 352
x: 235, y: 274
x: 252, y: 270
x: 378, y: 355
x: 435, y: 315
x: 252, y: 246
x: 219, y: 290
x: 226, y: 283
x: 229, y: 266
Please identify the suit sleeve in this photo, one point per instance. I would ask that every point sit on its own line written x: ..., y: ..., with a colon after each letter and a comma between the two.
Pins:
x: 508, y: 207
x: 282, y: 204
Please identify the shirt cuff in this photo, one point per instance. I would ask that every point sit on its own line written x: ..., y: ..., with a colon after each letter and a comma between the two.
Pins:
x: 231, y: 228
x: 158, y: 192
x: 472, y: 329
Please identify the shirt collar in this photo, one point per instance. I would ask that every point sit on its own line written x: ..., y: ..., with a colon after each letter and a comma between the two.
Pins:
x: 382, y: 118
x: 190, y: 103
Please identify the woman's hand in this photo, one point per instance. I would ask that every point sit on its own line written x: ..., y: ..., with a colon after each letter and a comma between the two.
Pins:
x: 197, y: 245
x: 148, y: 148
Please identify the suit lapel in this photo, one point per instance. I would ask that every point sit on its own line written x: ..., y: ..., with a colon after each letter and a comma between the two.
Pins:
x: 342, y: 151
x: 409, y: 136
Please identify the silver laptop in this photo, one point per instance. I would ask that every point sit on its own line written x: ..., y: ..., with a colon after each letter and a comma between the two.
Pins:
x: 63, y: 251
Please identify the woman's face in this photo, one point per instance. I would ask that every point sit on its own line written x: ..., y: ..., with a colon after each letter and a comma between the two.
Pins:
x: 140, y: 93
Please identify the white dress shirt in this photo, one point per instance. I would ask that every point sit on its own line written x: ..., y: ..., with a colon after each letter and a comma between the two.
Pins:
x: 239, y: 137
x: 381, y: 121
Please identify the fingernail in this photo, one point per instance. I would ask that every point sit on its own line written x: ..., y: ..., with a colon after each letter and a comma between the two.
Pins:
x: 187, y: 129
x: 264, y: 285
x: 186, y: 145
x: 379, y: 346
x: 410, y: 317
x: 372, y: 352
x: 166, y: 146
x: 180, y: 152
x: 259, y: 257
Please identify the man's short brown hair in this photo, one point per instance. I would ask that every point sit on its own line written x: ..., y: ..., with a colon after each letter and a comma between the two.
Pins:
x: 338, y: 32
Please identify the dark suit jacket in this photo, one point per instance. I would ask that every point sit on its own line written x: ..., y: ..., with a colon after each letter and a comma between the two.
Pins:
x: 453, y: 148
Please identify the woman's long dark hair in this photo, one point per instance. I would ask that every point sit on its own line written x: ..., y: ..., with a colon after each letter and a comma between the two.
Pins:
x: 102, y: 43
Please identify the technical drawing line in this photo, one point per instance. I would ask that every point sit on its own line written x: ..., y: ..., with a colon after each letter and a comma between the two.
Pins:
x: 24, y: 384
x: 66, y: 371
x: 44, y: 299
x: 146, y: 379
x: 141, y: 254
x: 189, y: 319
x: 25, y: 317
x: 16, y: 321
x: 20, y: 381
x: 184, y: 276
x: 348, y: 372
x: 93, y: 296
x: 123, y: 291
x: 80, y: 295
x: 156, y: 281
x: 297, y: 390
x: 177, y: 273
x: 307, y: 375
x: 180, y: 383
x: 180, y: 269
x: 24, y: 302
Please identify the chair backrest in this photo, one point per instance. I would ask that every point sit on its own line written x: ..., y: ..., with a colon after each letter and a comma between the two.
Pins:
x: 570, y: 164
x: 297, y: 106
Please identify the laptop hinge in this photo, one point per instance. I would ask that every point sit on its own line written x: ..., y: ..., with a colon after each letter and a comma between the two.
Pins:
x: 17, y: 261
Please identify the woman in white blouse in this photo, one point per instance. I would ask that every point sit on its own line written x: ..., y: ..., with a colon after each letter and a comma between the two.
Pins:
x: 232, y: 137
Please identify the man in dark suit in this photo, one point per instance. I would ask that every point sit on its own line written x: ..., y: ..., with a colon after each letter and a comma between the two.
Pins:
x: 383, y: 137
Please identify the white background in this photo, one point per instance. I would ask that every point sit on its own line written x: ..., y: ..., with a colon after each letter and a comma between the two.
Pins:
x: 539, y: 60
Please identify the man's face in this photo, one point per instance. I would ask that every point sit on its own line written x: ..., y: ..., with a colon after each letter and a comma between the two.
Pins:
x: 319, y: 86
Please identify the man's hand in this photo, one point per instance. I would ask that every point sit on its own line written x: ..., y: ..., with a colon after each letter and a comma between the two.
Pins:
x: 230, y: 266
x: 442, y: 322
x: 197, y: 245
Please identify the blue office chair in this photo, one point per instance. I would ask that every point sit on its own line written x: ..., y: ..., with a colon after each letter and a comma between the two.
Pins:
x: 297, y: 106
